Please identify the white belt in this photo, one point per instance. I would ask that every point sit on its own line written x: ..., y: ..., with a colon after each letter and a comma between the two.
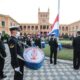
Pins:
x: 20, y: 57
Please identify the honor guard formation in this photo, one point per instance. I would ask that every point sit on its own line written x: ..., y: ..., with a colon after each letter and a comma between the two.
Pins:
x: 18, y: 44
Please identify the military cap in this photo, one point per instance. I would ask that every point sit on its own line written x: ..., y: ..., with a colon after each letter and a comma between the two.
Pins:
x: 52, y: 34
x: 14, y: 28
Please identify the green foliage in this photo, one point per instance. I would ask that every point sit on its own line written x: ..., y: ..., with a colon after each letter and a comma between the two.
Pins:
x: 5, y: 36
x: 66, y: 42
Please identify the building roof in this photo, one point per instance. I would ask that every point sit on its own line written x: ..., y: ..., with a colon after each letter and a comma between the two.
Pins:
x: 74, y: 22
x: 2, y: 15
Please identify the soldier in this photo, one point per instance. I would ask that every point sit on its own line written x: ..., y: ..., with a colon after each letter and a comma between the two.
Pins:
x: 28, y: 41
x: 2, y: 59
x: 76, y: 51
x: 20, y: 37
x: 15, y: 51
x: 53, y: 49
x: 38, y: 41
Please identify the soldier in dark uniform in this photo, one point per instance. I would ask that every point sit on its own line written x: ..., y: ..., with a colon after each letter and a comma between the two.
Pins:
x: 15, y: 51
x: 28, y: 41
x: 53, y: 49
x: 21, y: 38
x: 76, y: 51
x: 38, y: 41
x: 2, y: 59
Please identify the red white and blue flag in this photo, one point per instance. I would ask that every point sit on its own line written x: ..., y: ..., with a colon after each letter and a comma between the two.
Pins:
x: 55, y: 27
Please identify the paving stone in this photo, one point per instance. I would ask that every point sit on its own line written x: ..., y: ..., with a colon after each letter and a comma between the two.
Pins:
x: 48, y: 71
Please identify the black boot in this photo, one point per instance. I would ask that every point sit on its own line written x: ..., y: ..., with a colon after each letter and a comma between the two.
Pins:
x: 51, y: 61
x: 3, y: 76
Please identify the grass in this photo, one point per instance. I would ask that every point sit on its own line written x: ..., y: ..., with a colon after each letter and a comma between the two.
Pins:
x: 66, y: 54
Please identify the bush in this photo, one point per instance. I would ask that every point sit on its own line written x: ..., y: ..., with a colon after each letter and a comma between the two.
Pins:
x: 68, y: 46
x: 5, y: 37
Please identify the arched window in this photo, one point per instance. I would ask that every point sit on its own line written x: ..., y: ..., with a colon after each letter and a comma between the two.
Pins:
x: 63, y: 28
x: 36, y: 27
x: 28, y: 27
x: 32, y: 27
x: 44, y: 27
x: 24, y: 27
x: 21, y: 27
x: 67, y: 28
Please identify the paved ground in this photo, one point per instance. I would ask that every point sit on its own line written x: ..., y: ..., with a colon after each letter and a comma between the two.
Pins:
x: 61, y: 71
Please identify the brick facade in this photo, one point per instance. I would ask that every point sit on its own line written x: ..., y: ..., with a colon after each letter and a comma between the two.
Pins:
x: 43, y: 26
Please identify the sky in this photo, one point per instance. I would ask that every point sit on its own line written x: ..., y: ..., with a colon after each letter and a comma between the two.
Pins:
x: 26, y: 11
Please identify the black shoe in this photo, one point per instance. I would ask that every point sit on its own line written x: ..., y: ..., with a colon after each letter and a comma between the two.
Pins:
x: 3, y: 76
x: 54, y: 63
x: 51, y: 62
x: 76, y: 68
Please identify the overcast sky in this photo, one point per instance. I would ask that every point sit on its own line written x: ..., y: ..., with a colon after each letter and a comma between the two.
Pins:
x: 26, y: 11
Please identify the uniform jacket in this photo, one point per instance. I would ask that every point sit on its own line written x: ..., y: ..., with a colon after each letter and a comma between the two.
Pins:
x: 15, y: 49
x: 53, y: 44
x: 38, y: 42
x: 28, y: 41
x: 76, y: 44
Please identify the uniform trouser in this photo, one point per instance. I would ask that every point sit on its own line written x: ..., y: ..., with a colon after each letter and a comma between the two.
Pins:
x: 1, y: 66
x: 76, y: 60
x: 17, y: 75
x: 55, y: 56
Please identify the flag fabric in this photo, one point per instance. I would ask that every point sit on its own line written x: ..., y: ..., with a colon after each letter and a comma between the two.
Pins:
x: 55, y: 27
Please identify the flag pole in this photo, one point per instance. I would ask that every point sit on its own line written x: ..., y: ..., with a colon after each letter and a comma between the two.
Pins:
x: 58, y: 16
x: 59, y: 7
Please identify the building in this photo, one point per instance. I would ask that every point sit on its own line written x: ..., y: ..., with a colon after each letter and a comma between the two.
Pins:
x: 43, y: 26
x: 64, y: 29
x: 70, y: 29
x: 6, y: 22
x: 73, y: 28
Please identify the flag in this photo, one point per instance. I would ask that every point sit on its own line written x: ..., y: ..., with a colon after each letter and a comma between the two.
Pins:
x: 55, y: 27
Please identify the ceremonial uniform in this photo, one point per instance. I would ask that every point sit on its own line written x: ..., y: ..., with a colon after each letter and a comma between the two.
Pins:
x: 38, y: 42
x: 15, y: 50
x: 53, y: 49
x: 28, y: 42
x: 76, y: 52
x: 17, y: 61
x: 2, y: 59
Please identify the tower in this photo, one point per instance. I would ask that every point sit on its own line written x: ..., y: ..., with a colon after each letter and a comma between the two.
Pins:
x: 43, y: 17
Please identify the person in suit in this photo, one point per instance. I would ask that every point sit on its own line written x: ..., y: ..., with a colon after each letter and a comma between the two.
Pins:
x: 53, y: 49
x: 17, y: 61
x: 2, y: 59
x: 76, y: 51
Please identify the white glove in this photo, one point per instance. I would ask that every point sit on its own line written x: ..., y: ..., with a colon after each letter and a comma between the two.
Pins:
x: 17, y: 69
